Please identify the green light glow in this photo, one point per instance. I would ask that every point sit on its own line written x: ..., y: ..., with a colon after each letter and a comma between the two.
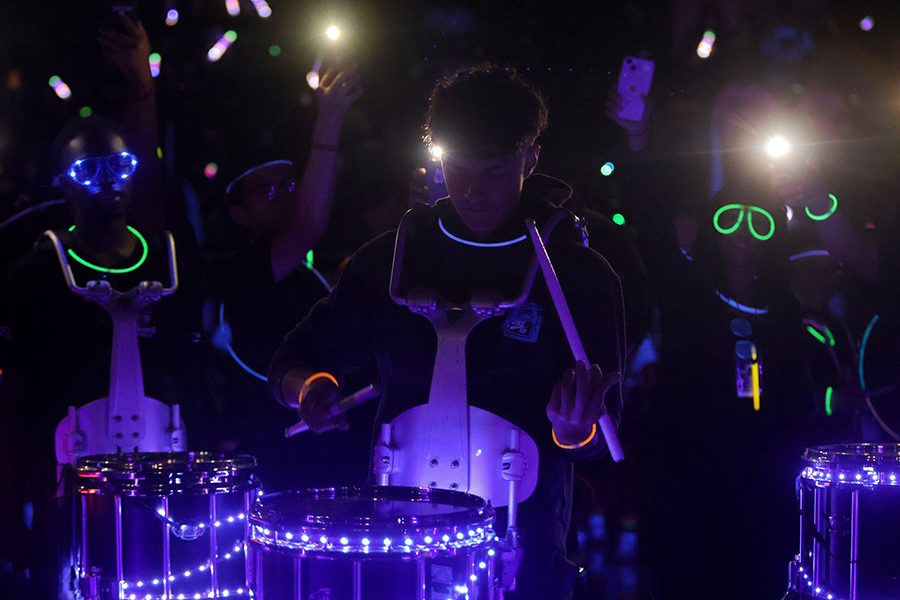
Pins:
x: 826, y: 215
x: 85, y: 112
x: 828, y: 393
x: 813, y: 332
x: 618, y: 219
x: 230, y: 35
x: 607, y: 169
x: 309, y: 259
x: 274, y: 50
x: 144, y: 252
x: 749, y: 210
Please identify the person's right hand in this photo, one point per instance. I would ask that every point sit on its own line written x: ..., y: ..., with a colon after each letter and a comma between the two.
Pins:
x: 337, y: 90
x: 637, y: 130
x: 130, y: 50
x: 316, y: 400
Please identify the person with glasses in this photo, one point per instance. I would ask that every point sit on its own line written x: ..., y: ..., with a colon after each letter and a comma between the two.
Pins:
x: 264, y: 281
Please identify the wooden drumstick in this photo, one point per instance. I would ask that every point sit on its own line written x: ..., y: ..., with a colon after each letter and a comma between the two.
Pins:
x: 565, y: 317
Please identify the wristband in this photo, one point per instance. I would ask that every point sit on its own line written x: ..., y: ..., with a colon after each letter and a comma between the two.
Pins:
x: 309, y: 380
x: 574, y: 446
x: 325, y: 147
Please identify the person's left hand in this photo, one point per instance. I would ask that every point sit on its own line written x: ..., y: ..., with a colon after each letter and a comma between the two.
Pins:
x: 337, y: 90
x: 576, y: 403
x: 130, y: 51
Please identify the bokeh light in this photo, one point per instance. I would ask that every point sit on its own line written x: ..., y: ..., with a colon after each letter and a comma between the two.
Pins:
x: 312, y: 78
x: 706, y: 44
x: 274, y: 50
x: 618, y: 219
x: 867, y: 23
x: 85, y: 112
x: 14, y: 80
x: 216, y: 52
x: 607, y: 169
x: 155, y: 63
x: 262, y: 8
x: 172, y: 17
x: 233, y: 7
x: 59, y: 86
x: 211, y: 170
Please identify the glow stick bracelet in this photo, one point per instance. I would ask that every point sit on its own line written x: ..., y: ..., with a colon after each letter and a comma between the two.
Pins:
x: 565, y: 317
x: 352, y: 401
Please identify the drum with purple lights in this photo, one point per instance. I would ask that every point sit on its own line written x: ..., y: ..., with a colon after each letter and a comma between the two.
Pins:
x: 849, y: 498
x: 162, y: 525
x: 373, y: 543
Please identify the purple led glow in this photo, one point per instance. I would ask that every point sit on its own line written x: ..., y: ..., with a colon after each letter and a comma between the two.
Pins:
x: 867, y: 23
x: 172, y: 17
x: 233, y: 7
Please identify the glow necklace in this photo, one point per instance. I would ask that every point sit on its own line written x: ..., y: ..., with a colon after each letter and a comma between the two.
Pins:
x: 144, y: 247
x: 478, y: 244
x: 741, y: 307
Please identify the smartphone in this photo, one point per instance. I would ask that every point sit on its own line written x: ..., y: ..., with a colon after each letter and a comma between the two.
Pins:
x: 112, y: 10
x: 634, y: 83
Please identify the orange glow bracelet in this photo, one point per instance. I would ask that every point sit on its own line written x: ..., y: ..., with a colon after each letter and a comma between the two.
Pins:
x: 312, y: 378
x: 574, y: 446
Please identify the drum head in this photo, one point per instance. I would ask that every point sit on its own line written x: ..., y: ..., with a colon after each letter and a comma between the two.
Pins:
x: 371, y: 520
x: 165, y: 473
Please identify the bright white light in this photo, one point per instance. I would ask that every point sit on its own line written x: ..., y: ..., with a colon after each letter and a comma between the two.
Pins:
x: 214, y: 54
x: 333, y: 32
x: 703, y: 50
x: 312, y: 78
x: 778, y: 147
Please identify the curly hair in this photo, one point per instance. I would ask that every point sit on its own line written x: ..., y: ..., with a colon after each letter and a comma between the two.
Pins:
x: 484, y: 111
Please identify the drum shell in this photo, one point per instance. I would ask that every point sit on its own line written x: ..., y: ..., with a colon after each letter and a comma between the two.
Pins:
x: 162, y: 523
x: 850, y: 508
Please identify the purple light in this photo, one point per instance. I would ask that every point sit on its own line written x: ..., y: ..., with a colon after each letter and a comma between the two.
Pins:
x: 867, y: 23
x: 171, y: 17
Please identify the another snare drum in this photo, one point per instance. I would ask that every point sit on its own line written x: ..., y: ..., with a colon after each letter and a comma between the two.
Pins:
x: 849, y: 497
x: 378, y: 543
x: 162, y: 525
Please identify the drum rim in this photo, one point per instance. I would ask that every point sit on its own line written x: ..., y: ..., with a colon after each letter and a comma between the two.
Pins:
x: 416, y: 534
x: 165, y: 473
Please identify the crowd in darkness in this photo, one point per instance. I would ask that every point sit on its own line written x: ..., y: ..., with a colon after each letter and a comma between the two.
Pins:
x: 679, y: 202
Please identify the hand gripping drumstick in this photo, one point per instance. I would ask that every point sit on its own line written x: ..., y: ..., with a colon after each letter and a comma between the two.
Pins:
x: 565, y: 317
x: 353, y: 400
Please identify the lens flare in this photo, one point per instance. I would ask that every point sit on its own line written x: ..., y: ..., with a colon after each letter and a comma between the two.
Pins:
x: 777, y: 147
x: 436, y: 152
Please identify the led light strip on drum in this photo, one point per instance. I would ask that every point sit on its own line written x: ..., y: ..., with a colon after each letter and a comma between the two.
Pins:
x: 143, y: 586
x: 825, y: 476
x: 311, y: 540
x: 818, y: 592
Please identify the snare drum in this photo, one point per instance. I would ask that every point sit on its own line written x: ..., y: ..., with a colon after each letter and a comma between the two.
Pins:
x: 162, y: 525
x: 377, y: 543
x: 849, y: 496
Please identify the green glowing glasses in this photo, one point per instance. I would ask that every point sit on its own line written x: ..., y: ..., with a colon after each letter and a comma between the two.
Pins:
x: 729, y: 218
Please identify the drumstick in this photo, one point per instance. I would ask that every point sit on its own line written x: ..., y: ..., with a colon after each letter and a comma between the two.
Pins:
x: 353, y: 400
x: 565, y: 317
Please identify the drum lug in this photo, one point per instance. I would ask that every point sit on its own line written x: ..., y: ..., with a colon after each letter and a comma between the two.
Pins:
x: 383, y: 456
x: 90, y: 585
x: 514, y: 466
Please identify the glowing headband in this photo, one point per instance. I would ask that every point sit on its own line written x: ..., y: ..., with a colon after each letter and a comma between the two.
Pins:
x: 248, y: 171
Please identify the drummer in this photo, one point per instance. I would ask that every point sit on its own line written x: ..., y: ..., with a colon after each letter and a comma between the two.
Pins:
x: 519, y: 365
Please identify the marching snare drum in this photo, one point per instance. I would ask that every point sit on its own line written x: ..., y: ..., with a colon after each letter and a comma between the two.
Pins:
x: 849, y: 496
x: 376, y: 543
x: 162, y: 525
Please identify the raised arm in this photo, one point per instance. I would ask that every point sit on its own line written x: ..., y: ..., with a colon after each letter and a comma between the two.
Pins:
x: 315, y: 193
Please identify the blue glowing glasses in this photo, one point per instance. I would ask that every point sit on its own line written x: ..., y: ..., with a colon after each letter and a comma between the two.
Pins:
x: 88, y: 171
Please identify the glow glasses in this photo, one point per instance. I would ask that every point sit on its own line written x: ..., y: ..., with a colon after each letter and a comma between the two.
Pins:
x: 88, y: 171
x: 729, y: 218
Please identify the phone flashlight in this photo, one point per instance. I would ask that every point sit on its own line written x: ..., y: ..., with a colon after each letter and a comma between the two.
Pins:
x: 333, y: 32
x: 778, y: 147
